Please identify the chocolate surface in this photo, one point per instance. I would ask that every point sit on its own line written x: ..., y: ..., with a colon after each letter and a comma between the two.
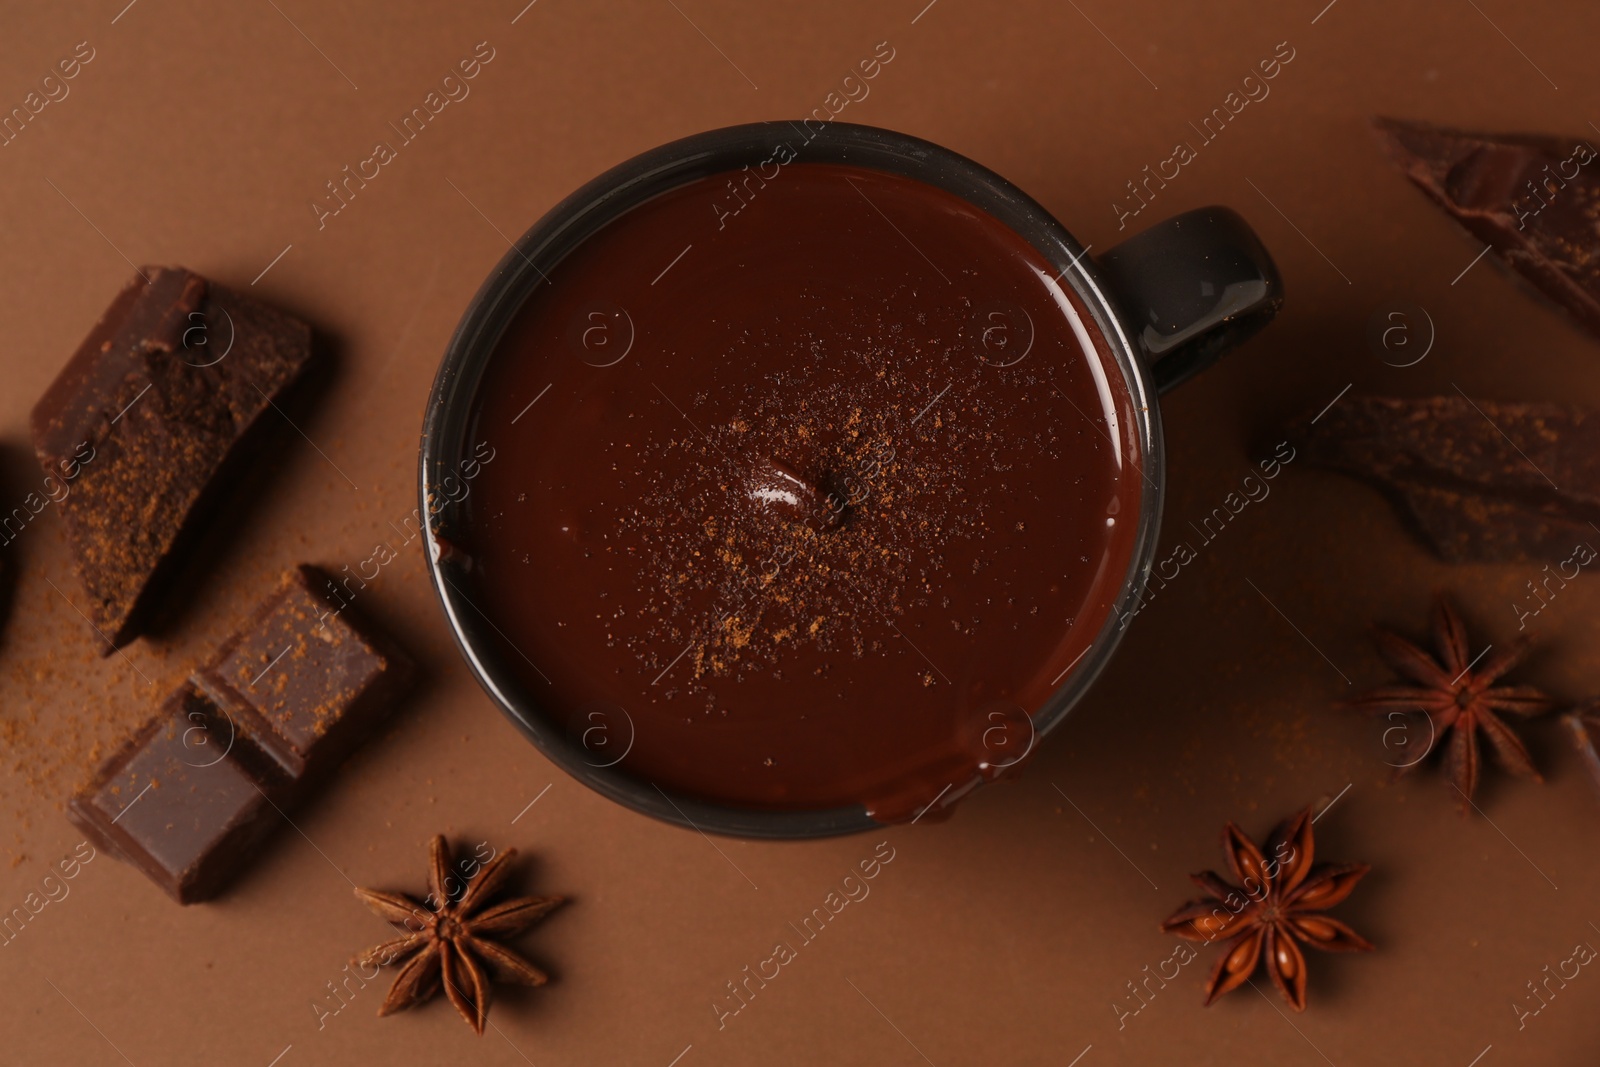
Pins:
x: 179, y: 801
x: 306, y: 678
x: 1534, y: 199
x: 190, y: 796
x: 1480, y: 480
x: 809, y: 505
x: 158, y: 399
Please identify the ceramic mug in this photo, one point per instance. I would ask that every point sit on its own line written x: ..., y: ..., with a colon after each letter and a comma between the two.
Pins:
x: 1166, y: 302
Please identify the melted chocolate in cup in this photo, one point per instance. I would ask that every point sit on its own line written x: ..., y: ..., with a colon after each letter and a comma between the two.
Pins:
x: 819, y: 501
x: 774, y: 488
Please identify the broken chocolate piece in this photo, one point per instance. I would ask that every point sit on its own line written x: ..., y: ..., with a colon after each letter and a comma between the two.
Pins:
x: 179, y: 800
x: 1534, y: 199
x: 1481, y: 481
x: 1584, y: 724
x: 161, y: 395
x: 306, y: 680
x: 189, y: 798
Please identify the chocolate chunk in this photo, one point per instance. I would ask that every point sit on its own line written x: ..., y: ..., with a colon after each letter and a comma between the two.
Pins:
x: 179, y: 800
x: 189, y: 798
x: 1534, y: 199
x: 160, y: 397
x: 306, y: 680
x: 1481, y: 481
x: 1584, y: 725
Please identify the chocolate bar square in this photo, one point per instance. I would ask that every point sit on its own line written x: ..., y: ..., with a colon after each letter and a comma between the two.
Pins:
x: 1481, y: 481
x: 306, y: 679
x: 180, y: 799
x: 160, y: 397
x: 191, y: 795
x: 1534, y: 199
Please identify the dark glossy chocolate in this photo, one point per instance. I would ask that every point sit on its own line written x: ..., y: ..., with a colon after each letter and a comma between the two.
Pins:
x: 180, y: 800
x: 1535, y: 200
x: 161, y: 396
x: 807, y: 494
x: 192, y: 794
x: 305, y: 680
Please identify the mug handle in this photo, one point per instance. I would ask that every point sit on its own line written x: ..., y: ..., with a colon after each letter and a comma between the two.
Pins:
x: 1192, y: 287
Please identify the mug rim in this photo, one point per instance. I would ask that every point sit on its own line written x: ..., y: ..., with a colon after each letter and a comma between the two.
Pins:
x: 451, y: 404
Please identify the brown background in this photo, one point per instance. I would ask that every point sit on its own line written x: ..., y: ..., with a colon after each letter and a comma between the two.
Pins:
x: 198, y: 135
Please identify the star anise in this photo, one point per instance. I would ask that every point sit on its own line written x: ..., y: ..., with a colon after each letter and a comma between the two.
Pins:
x: 454, y: 940
x: 1278, y: 906
x: 1458, y: 695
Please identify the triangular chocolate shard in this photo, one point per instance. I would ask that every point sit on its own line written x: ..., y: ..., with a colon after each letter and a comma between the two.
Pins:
x: 1535, y: 200
x: 1584, y: 725
x: 1481, y: 481
x: 150, y: 424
